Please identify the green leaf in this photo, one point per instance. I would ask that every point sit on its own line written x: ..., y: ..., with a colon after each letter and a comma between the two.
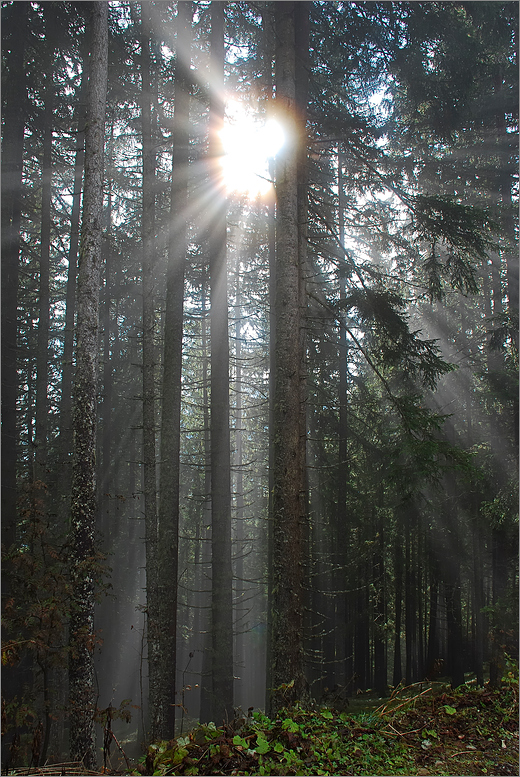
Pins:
x: 279, y: 748
x: 179, y: 756
x: 239, y: 741
x: 327, y: 714
x: 262, y: 745
x: 450, y: 710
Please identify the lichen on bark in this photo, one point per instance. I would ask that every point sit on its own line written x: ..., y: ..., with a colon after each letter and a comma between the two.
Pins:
x: 83, y: 499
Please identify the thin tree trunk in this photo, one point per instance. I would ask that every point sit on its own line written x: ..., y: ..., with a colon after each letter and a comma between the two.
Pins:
x: 222, y: 616
x: 83, y: 502
x: 410, y: 602
x: 499, y: 555
x: 42, y: 349
x: 239, y: 546
x: 478, y: 602
x: 106, y: 470
x: 398, y: 576
x: 65, y: 439
x: 15, y: 95
x: 206, y: 684
x: 433, y: 652
x: 171, y: 393
x: 268, y: 52
x: 454, y: 618
x: 380, y: 655
x: 341, y: 527
x: 149, y: 430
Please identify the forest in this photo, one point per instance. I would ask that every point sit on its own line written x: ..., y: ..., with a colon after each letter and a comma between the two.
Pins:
x: 259, y: 364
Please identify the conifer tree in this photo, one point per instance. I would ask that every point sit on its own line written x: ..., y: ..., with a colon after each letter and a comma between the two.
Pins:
x: 83, y: 502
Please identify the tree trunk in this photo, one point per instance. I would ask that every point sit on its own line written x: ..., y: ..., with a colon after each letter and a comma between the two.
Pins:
x: 499, y: 556
x: 149, y: 430
x: 454, y: 618
x: 398, y: 576
x: 206, y: 684
x: 433, y: 652
x: 83, y: 502
x: 478, y: 602
x: 380, y: 649
x: 42, y: 349
x: 106, y: 470
x: 65, y: 439
x: 15, y: 95
x: 164, y: 724
x: 222, y: 616
x: 288, y: 513
x: 410, y: 601
x: 239, y: 549
x: 268, y: 52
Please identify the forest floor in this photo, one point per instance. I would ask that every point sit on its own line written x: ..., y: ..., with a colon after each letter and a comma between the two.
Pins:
x: 423, y: 729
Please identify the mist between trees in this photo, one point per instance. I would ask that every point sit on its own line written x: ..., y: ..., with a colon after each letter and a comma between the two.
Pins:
x: 259, y: 443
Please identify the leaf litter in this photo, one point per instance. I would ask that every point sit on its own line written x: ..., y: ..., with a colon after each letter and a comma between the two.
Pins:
x: 422, y: 729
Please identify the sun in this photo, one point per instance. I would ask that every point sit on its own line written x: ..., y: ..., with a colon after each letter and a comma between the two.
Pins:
x: 249, y: 142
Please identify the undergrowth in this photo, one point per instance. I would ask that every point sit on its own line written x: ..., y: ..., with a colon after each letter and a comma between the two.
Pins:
x: 419, y: 730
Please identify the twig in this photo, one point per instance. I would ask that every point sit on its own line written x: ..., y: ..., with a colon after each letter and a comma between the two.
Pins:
x: 404, y: 703
x: 404, y: 734
x: 123, y: 752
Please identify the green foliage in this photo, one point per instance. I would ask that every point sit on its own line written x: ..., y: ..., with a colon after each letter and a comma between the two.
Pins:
x: 458, y: 235
x: 416, y: 728
x: 36, y: 611
x: 392, y: 343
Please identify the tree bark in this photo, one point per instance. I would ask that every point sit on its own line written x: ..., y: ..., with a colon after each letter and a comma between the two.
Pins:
x: 65, y: 439
x: 42, y: 348
x: 149, y: 426
x: 239, y: 544
x: 14, y: 115
x: 398, y: 577
x: 286, y: 637
x: 268, y: 53
x: 171, y: 392
x: 222, y: 616
x: 206, y: 683
x: 83, y: 502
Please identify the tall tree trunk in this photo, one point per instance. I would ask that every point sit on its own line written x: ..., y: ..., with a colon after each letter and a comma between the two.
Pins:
x: 341, y: 527
x: 410, y: 603
x: 398, y: 577
x: 380, y: 648
x: 454, y: 618
x: 288, y: 512
x: 171, y: 393
x: 433, y: 653
x: 42, y: 349
x: 239, y: 546
x: 478, y: 601
x: 83, y: 502
x: 499, y: 564
x: 221, y: 609
x: 268, y: 53
x: 106, y: 470
x: 149, y: 431
x: 206, y: 684
x: 65, y: 439
x: 15, y: 96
